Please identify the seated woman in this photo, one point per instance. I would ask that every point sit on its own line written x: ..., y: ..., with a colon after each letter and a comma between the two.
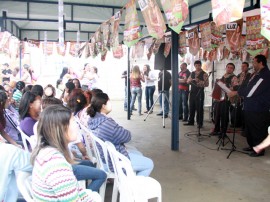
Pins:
x: 29, y: 110
x: 53, y: 178
x: 84, y: 169
x: 4, y: 101
x: 17, y: 95
x: 107, y: 129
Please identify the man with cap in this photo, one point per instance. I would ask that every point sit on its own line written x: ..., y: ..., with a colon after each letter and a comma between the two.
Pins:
x: 6, y: 73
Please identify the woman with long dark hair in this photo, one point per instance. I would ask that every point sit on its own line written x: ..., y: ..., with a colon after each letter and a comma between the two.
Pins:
x: 29, y: 110
x: 107, y: 129
x: 149, y: 78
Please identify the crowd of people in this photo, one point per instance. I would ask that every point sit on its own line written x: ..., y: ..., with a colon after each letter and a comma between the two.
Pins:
x: 58, y: 158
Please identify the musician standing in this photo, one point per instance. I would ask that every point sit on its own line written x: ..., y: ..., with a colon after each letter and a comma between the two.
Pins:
x: 198, y: 79
x: 256, y: 104
x: 183, y: 88
x: 221, y: 107
x: 243, y: 79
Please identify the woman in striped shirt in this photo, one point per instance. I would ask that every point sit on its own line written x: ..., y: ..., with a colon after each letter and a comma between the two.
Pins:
x: 53, y: 178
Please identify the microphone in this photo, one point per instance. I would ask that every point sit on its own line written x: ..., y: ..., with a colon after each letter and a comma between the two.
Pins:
x: 211, y: 72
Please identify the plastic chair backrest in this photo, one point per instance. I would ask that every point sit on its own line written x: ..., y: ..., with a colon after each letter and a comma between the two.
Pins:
x: 88, y: 143
x: 123, y: 171
x: 23, y: 180
x: 25, y: 139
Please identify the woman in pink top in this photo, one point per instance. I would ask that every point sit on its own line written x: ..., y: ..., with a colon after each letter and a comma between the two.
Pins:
x: 136, y: 88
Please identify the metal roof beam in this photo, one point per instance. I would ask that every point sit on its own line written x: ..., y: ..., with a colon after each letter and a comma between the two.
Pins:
x: 56, y: 30
x: 54, y: 20
x: 74, y: 4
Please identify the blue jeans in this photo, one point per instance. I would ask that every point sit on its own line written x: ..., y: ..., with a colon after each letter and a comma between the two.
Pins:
x: 136, y: 91
x: 85, y: 170
x: 149, y: 93
x: 166, y: 103
x: 183, y: 104
x: 142, y: 165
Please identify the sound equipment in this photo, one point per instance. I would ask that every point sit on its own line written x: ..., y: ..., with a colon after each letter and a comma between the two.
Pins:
x: 162, y: 62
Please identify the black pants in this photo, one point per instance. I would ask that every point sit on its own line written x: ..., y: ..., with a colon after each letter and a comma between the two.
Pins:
x: 221, y: 116
x: 196, y: 101
x: 256, y: 124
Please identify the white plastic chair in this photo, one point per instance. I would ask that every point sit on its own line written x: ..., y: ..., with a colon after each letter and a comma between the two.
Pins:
x: 26, y: 139
x: 132, y: 188
x: 23, y: 180
x: 91, y: 145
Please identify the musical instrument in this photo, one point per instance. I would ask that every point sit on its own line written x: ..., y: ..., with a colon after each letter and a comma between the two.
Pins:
x: 217, y: 93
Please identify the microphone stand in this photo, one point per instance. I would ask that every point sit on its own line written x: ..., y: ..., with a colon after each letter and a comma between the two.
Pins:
x: 199, y: 134
x: 233, y: 148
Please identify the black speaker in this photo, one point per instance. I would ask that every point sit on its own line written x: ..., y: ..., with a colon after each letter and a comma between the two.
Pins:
x: 162, y: 62
x: 4, y: 14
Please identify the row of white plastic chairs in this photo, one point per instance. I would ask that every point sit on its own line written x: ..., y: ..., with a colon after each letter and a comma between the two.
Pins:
x: 132, y: 188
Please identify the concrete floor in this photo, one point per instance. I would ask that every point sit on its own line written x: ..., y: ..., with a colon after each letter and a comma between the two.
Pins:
x: 198, y: 172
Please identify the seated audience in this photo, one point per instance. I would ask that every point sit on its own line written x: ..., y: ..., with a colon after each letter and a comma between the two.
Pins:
x: 37, y: 89
x: 29, y: 111
x: 53, y: 178
x: 49, y: 91
x: 107, y: 129
x: 12, y: 160
x: 17, y: 95
x: 3, y: 123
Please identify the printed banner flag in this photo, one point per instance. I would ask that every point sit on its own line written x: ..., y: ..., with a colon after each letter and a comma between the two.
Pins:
x: 176, y: 12
x: 226, y: 11
x: 234, y: 35
x: 193, y: 41
x: 132, y: 32
x: 182, y: 50
x: 205, y: 29
x: 265, y: 17
x: 153, y: 18
x: 255, y: 42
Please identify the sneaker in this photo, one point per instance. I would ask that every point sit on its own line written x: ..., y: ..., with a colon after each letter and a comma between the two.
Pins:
x: 145, y: 112
x: 160, y: 114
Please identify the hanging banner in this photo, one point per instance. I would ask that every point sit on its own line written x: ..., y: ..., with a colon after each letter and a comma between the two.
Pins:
x: 205, y: 30
x: 118, y: 52
x: 105, y: 30
x: 216, y: 34
x: 168, y: 44
x: 193, y: 41
x: 234, y: 35
x: 114, y: 27
x: 255, y: 42
x: 132, y: 32
x: 265, y: 17
x: 182, y: 50
x: 226, y: 11
x: 153, y: 18
x: 176, y: 13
